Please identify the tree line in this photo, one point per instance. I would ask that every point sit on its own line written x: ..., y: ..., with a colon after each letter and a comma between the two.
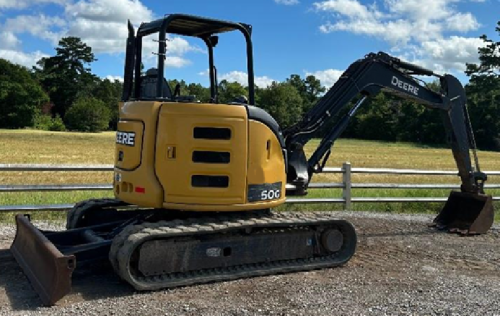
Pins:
x: 61, y: 93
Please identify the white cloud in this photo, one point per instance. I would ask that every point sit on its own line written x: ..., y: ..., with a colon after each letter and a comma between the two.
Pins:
x: 235, y: 76
x: 176, y: 62
x: 21, y: 4
x: 413, y: 28
x: 401, y: 22
x: 40, y: 26
x: 114, y: 78
x: 349, y: 8
x: 21, y: 58
x: 37, y: 25
x: 242, y: 78
x: 397, y: 32
x: 287, y: 2
x: 449, y: 54
x: 327, y: 77
x: 179, y: 46
x: 420, y: 10
x: 263, y: 81
x: 102, y: 23
x: 204, y: 73
x: 462, y: 22
x: 109, y: 11
x: 8, y: 40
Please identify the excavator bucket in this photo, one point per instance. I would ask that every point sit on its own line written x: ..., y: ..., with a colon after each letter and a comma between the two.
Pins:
x: 466, y: 213
x: 48, y: 270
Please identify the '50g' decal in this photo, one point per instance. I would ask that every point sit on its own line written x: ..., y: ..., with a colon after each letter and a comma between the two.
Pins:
x: 270, y: 194
x: 264, y: 192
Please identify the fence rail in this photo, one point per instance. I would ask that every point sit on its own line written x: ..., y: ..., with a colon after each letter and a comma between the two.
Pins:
x: 37, y: 167
x: 346, y: 185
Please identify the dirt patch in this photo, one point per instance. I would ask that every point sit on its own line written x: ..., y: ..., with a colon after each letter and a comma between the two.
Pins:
x: 401, y: 267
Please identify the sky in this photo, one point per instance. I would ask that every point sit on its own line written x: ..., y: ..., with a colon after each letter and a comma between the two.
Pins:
x: 289, y: 36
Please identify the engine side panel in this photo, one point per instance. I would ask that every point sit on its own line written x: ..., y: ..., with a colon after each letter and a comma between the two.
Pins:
x: 201, y: 153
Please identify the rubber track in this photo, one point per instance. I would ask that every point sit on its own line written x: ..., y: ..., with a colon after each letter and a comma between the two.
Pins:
x: 131, y: 237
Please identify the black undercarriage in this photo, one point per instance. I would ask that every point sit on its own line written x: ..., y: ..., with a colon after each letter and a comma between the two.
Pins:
x: 153, y: 249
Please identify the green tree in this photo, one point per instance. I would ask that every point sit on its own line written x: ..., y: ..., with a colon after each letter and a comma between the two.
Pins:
x: 483, y: 94
x: 229, y: 91
x: 310, y: 89
x: 408, y: 126
x: 489, y: 60
x: 46, y: 122
x: 182, y: 84
x: 297, y: 82
x: 67, y: 75
x: 110, y: 93
x: 429, y: 127
x: 21, y: 97
x: 283, y: 102
x: 314, y: 89
x: 88, y: 115
x: 378, y: 118
x: 391, y: 118
x: 200, y: 92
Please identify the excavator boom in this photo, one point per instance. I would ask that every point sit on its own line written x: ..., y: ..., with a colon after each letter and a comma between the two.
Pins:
x: 366, y: 78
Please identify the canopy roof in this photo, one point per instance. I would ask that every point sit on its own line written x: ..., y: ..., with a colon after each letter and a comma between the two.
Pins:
x: 190, y: 25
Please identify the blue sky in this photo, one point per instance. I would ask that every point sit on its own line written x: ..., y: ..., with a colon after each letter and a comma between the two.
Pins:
x: 290, y: 36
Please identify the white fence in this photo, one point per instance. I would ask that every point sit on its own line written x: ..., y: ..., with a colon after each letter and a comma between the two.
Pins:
x: 346, y: 185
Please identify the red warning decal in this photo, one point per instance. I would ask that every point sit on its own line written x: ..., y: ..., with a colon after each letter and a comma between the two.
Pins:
x: 140, y: 190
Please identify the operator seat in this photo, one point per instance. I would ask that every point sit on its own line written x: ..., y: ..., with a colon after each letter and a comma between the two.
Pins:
x: 148, y: 85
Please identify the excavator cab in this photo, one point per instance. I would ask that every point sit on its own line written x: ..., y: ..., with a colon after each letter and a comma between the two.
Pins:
x: 206, y: 29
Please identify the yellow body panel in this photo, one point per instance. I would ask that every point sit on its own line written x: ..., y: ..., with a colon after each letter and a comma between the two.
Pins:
x: 129, y: 135
x: 144, y: 175
x: 176, y: 124
x: 171, y: 166
x: 266, y: 163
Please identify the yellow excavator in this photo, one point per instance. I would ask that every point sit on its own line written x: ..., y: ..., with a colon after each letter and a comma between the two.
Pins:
x: 194, y: 183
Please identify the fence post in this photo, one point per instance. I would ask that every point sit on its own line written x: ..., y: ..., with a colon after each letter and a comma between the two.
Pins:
x: 346, y: 179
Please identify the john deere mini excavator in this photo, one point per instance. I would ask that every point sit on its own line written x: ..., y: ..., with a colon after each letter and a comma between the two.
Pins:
x: 198, y: 180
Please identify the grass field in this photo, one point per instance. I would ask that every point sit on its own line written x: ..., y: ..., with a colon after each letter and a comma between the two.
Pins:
x: 27, y: 146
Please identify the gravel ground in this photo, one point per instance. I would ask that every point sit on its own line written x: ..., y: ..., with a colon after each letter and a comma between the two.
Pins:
x: 401, y: 267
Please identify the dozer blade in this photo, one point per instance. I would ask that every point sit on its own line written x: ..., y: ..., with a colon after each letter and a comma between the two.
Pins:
x: 48, y: 270
x: 466, y: 213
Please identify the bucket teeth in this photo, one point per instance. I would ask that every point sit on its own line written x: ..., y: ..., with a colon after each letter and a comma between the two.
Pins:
x: 466, y: 214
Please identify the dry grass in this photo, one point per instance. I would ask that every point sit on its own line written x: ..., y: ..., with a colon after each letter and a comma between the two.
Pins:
x: 26, y: 146
x: 29, y: 146
x: 39, y: 147
x: 376, y: 154
x: 373, y: 154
